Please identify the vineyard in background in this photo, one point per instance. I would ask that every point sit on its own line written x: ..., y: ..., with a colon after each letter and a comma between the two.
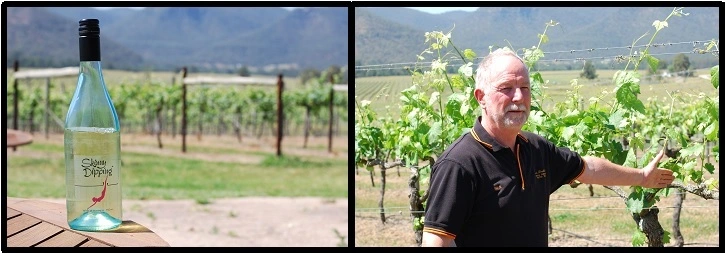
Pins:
x: 150, y: 103
x: 383, y: 91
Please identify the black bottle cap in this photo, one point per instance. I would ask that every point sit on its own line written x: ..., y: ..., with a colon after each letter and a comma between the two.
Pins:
x: 89, y: 27
x: 89, y: 41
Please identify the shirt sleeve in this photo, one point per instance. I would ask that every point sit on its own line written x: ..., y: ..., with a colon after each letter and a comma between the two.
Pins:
x: 450, y: 199
x: 567, y: 166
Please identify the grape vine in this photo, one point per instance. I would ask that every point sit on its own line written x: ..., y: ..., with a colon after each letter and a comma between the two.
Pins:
x: 429, y: 121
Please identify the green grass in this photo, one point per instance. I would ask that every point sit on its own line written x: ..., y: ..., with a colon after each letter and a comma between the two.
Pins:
x: 291, y: 162
x: 566, y: 216
x: 151, y: 176
x: 196, y: 149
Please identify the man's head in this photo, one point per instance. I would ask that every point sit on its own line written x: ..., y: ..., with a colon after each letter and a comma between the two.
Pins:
x: 503, y: 90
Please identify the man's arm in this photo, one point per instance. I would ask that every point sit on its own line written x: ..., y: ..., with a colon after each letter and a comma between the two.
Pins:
x: 435, y: 240
x: 603, y: 172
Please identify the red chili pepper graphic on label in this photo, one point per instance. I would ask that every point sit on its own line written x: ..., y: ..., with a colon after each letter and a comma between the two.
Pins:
x: 103, y: 194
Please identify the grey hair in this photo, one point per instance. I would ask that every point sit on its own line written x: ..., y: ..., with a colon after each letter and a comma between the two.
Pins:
x: 483, y: 74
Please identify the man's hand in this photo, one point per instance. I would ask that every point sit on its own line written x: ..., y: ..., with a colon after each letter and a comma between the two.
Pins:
x: 656, y: 177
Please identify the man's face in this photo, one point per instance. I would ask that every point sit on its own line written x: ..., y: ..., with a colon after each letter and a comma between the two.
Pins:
x: 508, y: 97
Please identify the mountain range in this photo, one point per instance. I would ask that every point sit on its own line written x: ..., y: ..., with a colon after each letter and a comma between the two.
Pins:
x: 396, y: 34
x: 206, y: 38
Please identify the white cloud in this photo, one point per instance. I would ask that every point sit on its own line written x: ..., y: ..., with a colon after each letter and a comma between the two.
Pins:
x: 438, y: 10
x: 108, y: 8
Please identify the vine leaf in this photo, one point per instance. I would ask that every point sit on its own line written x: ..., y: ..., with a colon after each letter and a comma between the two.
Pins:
x: 635, y: 201
x: 631, y: 160
x: 434, y: 133
x: 616, y: 118
x: 692, y: 150
x: 469, y: 54
x: 711, y: 131
x: 666, y: 237
x: 638, y: 239
x: 627, y: 96
x: 715, y: 76
x: 659, y: 24
x: 710, y: 168
x: 652, y: 62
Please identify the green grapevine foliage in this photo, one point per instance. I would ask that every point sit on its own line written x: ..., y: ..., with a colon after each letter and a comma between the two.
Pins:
x: 596, y: 126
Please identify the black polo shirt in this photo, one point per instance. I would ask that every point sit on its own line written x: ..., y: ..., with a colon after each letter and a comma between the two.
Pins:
x: 484, y: 194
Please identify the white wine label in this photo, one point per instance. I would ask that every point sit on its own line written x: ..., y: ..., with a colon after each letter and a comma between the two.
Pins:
x: 93, y: 167
x: 95, y: 178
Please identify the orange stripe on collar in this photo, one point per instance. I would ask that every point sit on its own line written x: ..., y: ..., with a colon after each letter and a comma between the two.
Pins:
x: 478, y: 139
x: 438, y: 232
x: 523, y: 138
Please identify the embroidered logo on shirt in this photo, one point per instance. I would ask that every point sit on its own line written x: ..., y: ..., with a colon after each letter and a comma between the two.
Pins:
x: 540, y: 174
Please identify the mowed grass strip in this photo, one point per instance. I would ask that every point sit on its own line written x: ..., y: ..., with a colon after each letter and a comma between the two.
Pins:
x: 38, y: 171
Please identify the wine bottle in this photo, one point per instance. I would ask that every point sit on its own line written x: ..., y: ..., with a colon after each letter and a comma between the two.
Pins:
x: 92, y: 143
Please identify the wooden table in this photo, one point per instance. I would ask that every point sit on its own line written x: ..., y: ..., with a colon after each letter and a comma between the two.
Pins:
x: 18, y: 138
x: 36, y: 223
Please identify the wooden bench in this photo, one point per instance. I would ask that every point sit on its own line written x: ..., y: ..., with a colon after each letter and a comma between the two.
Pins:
x: 36, y: 223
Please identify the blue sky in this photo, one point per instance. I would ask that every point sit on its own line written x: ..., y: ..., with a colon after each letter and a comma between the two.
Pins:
x: 106, y: 8
x: 433, y: 10
x: 437, y: 10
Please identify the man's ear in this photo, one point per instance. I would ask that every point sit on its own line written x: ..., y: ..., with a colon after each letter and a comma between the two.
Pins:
x: 478, y: 93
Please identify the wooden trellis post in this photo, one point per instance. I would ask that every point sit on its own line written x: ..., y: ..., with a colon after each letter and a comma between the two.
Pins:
x: 233, y: 81
x: 329, y: 131
x: 15, y: 98
x: 280, y: 115
x: 333, y: 88
x: 46, y: 118
x: 183, y: 110
x: 36, y: 74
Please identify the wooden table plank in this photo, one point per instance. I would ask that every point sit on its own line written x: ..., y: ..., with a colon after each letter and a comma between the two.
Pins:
x: 53, y: 213
x: 34, y: 235
x: 94, y: 244
x: 21, y: 222
x: 64, y: 239
x: 128, y: 234
x: 11, y: 213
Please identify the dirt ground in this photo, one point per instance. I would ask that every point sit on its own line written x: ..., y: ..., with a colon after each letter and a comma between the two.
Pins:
x: 243, y: 222
x: 234, y: 222
x: 370, y: 232
x: 397, y: 230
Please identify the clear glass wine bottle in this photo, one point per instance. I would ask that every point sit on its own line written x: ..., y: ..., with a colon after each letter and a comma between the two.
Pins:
x: 92, y: 143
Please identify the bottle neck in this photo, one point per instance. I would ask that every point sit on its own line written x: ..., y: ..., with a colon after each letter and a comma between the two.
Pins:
x: 90, y: 48
x: 91, y: 69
